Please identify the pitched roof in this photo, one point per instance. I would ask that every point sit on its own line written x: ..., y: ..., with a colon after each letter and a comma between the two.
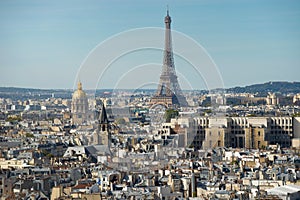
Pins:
x: 98, y: 150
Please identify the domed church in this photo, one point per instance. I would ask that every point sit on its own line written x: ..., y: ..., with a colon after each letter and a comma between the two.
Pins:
x: 79, y: 107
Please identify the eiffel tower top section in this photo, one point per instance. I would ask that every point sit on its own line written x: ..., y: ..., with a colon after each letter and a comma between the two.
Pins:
x: 168, y: 53
x: 168, y: 92
x: 168, y: 20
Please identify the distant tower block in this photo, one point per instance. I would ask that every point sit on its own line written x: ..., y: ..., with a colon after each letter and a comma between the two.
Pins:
x: 168, y: 92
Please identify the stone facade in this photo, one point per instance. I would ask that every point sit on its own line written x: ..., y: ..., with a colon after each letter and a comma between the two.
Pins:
x: 79, y: 106
x: 241, y: 132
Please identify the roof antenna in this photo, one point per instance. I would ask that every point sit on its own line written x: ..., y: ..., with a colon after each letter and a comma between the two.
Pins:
x: 167, y: 10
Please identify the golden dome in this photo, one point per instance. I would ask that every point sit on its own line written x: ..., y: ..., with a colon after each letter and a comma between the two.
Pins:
x: 79, y: 93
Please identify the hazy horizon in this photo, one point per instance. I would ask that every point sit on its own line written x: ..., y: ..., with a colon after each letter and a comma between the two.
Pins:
x: 90, y: 89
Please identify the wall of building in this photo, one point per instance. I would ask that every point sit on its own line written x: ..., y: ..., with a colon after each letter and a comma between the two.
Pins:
x: 296, y: 127
x: 255, y: 138
x: 244, y: 132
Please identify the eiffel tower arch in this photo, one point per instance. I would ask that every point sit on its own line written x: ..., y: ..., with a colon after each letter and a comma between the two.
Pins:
x: 168, y: 92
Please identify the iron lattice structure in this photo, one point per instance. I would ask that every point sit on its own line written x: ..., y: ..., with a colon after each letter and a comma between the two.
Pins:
x: 168, y: 92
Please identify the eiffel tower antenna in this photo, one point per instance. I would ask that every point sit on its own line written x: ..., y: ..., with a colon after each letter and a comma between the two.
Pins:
x: 168, y: 92
x: 167, y: 10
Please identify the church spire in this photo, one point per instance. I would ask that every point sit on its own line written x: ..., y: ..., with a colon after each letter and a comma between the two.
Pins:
x: 103, y: 116
x: 104, y: 128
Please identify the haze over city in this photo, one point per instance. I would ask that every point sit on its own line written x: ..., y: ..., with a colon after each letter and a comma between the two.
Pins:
x: 44, y: 43
x: 157, y: 100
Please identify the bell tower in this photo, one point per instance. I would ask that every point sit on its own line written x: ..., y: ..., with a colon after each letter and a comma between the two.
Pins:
x: 103, y: 128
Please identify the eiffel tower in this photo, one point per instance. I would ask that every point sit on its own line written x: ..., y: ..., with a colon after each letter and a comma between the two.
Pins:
x: 168, y: 92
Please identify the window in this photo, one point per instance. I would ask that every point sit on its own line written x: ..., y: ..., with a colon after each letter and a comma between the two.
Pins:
x: 258, y: 133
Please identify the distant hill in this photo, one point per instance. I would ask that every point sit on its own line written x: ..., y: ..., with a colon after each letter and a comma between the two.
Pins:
x: 30, y: 90
x: 31, y: 93
x: 259, y: 89
x: 264, y: 88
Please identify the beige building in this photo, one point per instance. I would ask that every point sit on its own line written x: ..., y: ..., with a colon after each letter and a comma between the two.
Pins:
x: 272, y: 99
x: 255, y: 137
x: 296, y: 98
x: 217, y: 133
x: 238, y: 132
x: 14, y: 163
x: 79, y: 106
x: 296, y: 132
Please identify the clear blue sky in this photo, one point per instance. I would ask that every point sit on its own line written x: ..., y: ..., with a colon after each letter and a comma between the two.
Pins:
x: 43, y: 43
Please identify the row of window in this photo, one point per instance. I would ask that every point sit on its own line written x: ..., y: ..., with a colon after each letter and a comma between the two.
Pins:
x: 279, y: 137
x: 281, y: 121
x: 245, y: 121
x: 281, y: 132
x: 281, y: 127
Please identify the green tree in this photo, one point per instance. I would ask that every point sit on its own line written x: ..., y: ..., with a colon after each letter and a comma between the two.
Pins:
x: 171, y: 113
x: 49, y: 155
x: 14, y: 118
x: 296, y: 114
x: 30, y: 135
